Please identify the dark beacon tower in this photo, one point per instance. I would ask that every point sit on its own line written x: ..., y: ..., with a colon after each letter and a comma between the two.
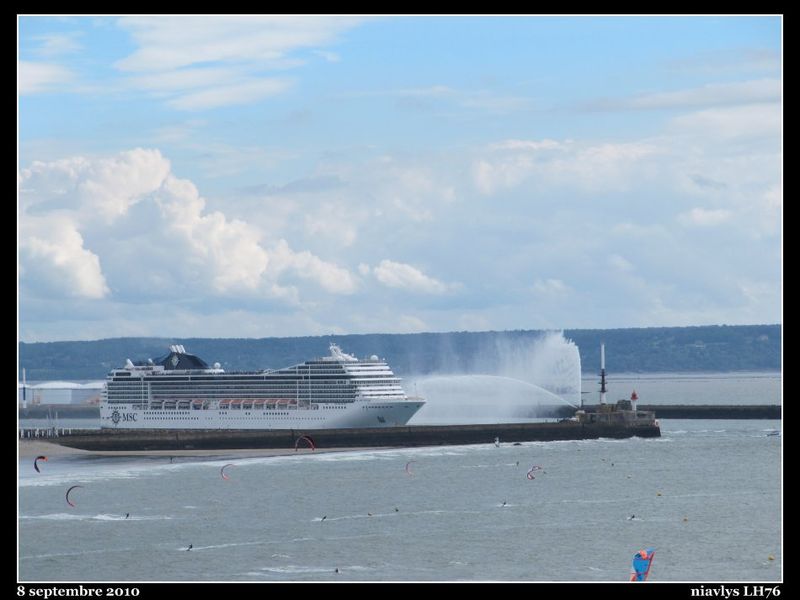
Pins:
x: 603, y: 374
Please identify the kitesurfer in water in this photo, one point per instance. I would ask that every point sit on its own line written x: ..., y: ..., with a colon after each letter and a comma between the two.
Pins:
x: 127, y: 515
x: 189, y: 548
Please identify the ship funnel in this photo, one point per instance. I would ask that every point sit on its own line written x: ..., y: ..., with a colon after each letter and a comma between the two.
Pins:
x: 181, y: 349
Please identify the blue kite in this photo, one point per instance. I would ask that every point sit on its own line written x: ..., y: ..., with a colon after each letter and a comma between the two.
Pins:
x: 640, y: 568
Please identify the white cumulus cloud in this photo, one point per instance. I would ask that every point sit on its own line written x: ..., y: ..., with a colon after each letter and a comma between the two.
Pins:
x: 620, y: 263
x: 227, y: 249
x: 570, y: 164
x: 705, y: 217
x: 761, y: 120
x: 305, y: 265
x: 550, y: 287
x: 54, y: 257
x: 335, y: 221
x: 403, y: 276
x: 103, y: 187
x: 38, y: 77
x: 153, y: 234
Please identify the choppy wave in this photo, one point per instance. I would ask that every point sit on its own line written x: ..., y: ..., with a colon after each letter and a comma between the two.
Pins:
x: 299, y: 570
x: 79, y: 553
x: 88, y: 471
x: 230, y: 545
x: 97, y: 517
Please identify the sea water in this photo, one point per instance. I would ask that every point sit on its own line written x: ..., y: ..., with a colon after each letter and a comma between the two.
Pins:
x: 706, y: 496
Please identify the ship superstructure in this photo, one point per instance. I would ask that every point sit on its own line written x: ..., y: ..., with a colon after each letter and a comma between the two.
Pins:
x: 180, y: 391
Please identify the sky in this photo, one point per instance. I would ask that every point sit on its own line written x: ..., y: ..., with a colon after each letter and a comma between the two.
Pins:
x: 258, y: 176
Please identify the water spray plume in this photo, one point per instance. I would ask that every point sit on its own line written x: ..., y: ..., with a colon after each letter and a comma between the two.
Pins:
x: 516, y: 379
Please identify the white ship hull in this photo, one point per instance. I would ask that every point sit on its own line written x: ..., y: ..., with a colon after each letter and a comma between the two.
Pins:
x: 366, y: 413
x: 180, y: 391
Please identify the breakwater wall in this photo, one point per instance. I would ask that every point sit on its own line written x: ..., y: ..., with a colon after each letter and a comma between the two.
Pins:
x: 710, y: 411
x: 174, y: 439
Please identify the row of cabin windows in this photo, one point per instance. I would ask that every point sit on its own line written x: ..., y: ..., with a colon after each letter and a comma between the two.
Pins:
x: 149, y: 418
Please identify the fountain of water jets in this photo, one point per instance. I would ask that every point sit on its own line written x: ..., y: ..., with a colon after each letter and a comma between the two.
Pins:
x: 462, y: 399
x: 549, y: 361
x: 518, y: 380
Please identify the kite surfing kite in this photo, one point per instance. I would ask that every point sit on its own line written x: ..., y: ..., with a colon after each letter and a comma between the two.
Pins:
x: 532, y: 469
x: 222, y: 471
x: 67, y: 494
x: 308, y: 440
x: 640, y: 568
x: 36, y: 461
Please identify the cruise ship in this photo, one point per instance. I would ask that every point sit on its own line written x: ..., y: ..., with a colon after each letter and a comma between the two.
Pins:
x: 180, y: 391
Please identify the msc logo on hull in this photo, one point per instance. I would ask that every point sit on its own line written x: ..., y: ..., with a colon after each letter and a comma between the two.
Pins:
x: 116, y: 417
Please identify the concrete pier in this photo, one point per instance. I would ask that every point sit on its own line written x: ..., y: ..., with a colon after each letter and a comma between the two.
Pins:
x: 174, y: 439
x: 711, y: 411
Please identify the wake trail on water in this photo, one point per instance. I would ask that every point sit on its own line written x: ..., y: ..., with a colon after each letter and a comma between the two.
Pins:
x: 97, y: 517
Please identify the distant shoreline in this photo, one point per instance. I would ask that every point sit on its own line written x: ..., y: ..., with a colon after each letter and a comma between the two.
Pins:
x: 586, y: 375
x: 706, y: 348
